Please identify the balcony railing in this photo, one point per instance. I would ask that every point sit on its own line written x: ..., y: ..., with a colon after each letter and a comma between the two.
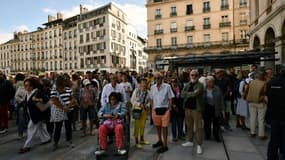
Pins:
x: 225, y: 7
x: 206, y: 26
x: 158, y: 16
x: 173, y: 14
x: 243, y: 22
x: 205, y: 10
x: 243, y: 5
x: 173, y: 30
x: 189, y: 28
x: 199, y: 45
x: 158, y: 31
x: 189, y: 12
x: 225, y: 24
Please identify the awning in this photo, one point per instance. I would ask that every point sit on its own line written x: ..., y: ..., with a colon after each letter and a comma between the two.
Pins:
x: 218, y: 60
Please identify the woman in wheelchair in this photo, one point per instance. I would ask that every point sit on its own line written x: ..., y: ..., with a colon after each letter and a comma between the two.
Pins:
x: 111, y: 120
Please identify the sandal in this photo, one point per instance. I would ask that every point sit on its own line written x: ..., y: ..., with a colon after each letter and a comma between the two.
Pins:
x: 24, y: 150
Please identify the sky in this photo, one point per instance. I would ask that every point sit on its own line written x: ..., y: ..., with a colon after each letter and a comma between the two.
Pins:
x: 19, y: 15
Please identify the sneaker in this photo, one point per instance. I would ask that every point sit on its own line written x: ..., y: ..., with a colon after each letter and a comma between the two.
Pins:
x: 70, y: 144
x: 187, y: 144
x: 3, y: 131
x: 138, y: 146
x: 54, y: 147
x: 199, y: 149
x: 162, y: 150
x: 175, y: 139
x: 144, y: 142
x: 122, y: 152
x: 181, y: 137
x: 158, y: 144
x: 100, y: 152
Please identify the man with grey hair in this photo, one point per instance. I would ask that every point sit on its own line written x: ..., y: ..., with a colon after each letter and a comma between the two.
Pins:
x: 255, y: 95
x: 161, y: 96
x: 193, y: 103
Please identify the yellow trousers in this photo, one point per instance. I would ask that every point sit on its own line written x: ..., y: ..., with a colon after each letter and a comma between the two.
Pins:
x: 140, y: 125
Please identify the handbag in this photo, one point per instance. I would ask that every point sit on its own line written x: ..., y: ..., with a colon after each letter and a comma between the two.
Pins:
x: 43, y: 106
x: 137, y: 111
x: 160, y: 111
x: 111, y: 123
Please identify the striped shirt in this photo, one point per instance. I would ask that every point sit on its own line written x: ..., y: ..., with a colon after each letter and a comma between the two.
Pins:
x: 63, y: 97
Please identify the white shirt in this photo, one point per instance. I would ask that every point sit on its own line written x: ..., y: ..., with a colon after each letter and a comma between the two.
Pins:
x: 108, y: 89
x: 162, y: 96
x: 29, y: 95
x: 127, y: 87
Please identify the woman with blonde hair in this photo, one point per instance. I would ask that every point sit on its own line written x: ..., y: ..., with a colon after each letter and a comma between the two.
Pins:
x: 139, y: 101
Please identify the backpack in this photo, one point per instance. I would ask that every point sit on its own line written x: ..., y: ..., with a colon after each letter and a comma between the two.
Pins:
x: 236, y: 92
x: 84, y: 99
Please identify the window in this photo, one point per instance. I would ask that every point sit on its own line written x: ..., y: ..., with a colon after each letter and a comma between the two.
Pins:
x: 225, y: 22
x: 173, y: 41
x: 242, y: 3
x: 189, y: 25
x: 189, y: 40
x: 173, y: 11
x: 243, y: 34
x: 207, y: 39
x: 173, y: 27
x: 225, y: 19
x: 87, y: 37
x: 206, y: 21
x: 158, y: 29
x: 158, y: 43
x: 157, y: 13
x: 224, y: 4
x: 207, y: 24
x: 225, y: 36
x: 206, y: 7
x: 243, y: 20
x: 189, y: 9
x: 81, y: 39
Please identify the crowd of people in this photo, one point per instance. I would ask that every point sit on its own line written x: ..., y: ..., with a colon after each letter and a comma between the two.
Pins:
x: 198, y: 106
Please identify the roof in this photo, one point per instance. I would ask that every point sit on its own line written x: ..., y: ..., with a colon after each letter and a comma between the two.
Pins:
x: 53, y: 22
x: 219, y: 60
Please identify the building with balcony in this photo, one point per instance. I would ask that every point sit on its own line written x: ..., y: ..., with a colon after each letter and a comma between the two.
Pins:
x: 189, y: 27
x: 95, y: 39
x: 267, y: 28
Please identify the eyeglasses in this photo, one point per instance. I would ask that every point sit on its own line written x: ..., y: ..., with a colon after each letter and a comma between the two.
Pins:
x: 194, y: 75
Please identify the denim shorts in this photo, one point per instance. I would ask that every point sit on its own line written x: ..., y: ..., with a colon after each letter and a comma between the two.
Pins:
x: 90, y: 111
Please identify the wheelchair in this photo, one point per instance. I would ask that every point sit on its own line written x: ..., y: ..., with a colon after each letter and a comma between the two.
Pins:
x: 111, y: 152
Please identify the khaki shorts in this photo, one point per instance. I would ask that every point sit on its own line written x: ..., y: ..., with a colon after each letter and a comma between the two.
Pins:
x: 163, y: 120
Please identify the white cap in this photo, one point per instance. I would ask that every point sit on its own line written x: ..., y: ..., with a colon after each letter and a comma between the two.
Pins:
x: 86, y: 82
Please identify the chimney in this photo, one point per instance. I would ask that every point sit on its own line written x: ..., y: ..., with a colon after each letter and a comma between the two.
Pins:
x: 59, y: 15
x: 85, y: 9
x: 50, y: 18
x: 81, y: 9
